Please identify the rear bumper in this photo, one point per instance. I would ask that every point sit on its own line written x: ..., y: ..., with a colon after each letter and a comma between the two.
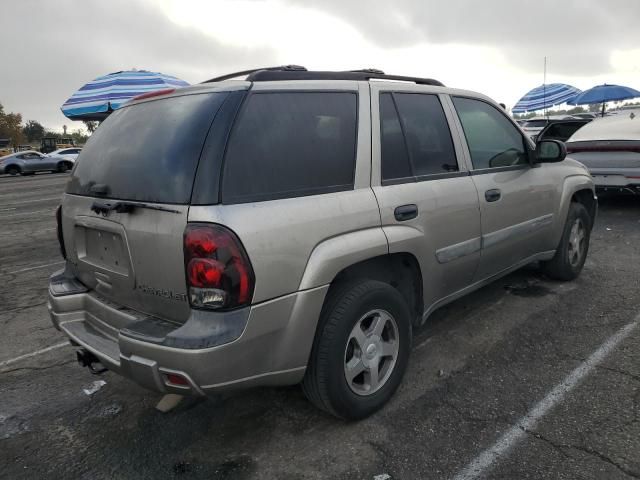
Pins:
x: 271, y: 348
x: 617, y: 182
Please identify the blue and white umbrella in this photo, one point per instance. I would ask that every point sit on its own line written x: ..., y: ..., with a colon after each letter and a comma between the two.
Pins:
x: 545, y: 96
x: 605, y: 93
x: 98, y: 98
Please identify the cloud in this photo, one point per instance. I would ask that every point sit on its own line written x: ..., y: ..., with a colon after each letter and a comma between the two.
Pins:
x: 66, y: 43
x: 577, y: 35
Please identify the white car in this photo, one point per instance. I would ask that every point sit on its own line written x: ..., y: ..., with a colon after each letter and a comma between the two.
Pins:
x: 610, y: 148
x: 67, y: 153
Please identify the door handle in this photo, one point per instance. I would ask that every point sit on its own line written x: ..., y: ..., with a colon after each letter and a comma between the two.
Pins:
x: 492, y: 195
x: 405, y: 212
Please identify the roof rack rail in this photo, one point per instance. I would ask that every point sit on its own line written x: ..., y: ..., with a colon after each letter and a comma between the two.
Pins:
x: 368, y: 70
x: 266, y: 75
x: 284, y: 68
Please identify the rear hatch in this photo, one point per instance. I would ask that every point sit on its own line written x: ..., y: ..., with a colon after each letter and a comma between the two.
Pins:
x: 608, y: 143
x: 126, y: 205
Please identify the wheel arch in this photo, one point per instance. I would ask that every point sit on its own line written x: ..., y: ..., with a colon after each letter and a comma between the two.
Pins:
x: 13, y: 166
x: 587, y: 198
x: 576, y: 188
x: 401, y: 270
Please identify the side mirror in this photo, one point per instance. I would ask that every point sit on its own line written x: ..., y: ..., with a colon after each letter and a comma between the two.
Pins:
x: 550, y: 151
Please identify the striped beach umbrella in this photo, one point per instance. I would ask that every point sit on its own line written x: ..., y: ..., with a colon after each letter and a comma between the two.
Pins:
x: 98, y: 98
x: 545, y: 96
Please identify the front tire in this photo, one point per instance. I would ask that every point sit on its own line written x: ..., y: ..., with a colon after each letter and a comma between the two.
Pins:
x: 574, y: 245
x: 360, y: 351
x: 63, y: 167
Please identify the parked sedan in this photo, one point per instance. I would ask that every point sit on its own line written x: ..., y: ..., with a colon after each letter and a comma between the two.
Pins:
x: 30, y: 162
x: 66, y: 153
x: 610, y: 148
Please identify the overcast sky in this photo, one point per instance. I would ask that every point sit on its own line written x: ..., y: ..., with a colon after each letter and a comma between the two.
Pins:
x: 51, y: 48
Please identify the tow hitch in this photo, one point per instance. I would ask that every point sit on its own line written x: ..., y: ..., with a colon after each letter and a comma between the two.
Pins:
x: 89, y: 360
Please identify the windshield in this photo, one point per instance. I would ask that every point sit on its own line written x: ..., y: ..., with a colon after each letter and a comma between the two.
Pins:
x: 147, y: 152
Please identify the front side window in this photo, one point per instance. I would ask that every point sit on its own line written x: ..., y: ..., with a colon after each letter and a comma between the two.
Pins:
x: 492, y: 139
x: 290, y: 144
x: 414, y: 127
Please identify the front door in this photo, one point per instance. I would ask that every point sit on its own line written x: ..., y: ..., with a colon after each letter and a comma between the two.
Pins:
x: 517, y: 199
x: 428, y: 202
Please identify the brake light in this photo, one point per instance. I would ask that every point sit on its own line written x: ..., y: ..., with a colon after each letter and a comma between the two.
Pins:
x: 175, y: 379
x: 157, y: 93
x: 219, y: 274
x: 63, y: 251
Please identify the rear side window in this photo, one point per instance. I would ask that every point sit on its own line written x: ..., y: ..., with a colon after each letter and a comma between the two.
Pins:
x: 289, y: 144
x: 395, y: 157
x: 148, y: 151
x: 418, y: 142
x: 427, y: 133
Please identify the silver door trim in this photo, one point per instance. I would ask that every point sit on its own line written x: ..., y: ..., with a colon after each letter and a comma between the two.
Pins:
x: 547, y: 255
x: 458, y: 250
x: 517, y: 230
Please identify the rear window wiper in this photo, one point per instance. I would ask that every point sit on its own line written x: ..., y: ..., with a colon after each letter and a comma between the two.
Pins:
x: 105, y: 208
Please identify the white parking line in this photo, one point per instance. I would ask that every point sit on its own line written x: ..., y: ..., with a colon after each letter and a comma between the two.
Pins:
x: 7, y: 209
x: 484, y: 462
x: 33, y: 354
x: 20, y: 202
x: 50, y: 210
x: 34, y: 268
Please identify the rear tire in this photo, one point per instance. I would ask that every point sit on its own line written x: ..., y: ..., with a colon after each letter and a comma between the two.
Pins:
x: 364, y: 327
x: 13, y: 170
x: 574, y: 245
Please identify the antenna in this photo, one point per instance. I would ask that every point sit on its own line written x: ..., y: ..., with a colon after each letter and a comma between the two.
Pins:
x: 544, y: 89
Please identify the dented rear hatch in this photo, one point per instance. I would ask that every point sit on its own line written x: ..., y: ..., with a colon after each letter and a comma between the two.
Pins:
x: 126, y: 205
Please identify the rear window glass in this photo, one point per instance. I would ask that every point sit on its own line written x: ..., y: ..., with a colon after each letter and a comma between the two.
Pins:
x: 289, y: 144
x: 535, y: 123
x: 149, y: 151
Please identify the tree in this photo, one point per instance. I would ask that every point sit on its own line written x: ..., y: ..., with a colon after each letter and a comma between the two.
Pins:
x: 90, y: 125
x: 11, y: 127
x: 79, y: 137
x: 33, y: 130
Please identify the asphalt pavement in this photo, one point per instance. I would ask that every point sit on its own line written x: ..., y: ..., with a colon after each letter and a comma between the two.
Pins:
x: 525, y: 378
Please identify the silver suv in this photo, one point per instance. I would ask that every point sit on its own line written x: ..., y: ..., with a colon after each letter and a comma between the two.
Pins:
x: 295, y: 226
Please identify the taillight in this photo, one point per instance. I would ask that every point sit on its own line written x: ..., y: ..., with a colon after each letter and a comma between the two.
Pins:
x: 63, y: 251
x: 219, y: 274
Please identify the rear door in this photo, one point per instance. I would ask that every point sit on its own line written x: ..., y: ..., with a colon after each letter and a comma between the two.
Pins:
x: 428, y: 202
x: 126, y: 205
x: 517, y: 199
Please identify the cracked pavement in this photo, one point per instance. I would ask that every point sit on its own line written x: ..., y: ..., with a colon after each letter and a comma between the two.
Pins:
x: 477, y: 367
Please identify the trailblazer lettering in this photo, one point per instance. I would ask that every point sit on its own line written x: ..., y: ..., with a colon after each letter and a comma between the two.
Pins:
x: 160, y: 292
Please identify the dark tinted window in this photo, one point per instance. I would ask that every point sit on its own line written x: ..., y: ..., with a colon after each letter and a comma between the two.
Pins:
x: 562, y: 131
x: 149, y: 151
x: 427, y: 132
x: 288, y: 144
x: 535, y: 123
x: 395, y: 158
x: 492, y: 139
